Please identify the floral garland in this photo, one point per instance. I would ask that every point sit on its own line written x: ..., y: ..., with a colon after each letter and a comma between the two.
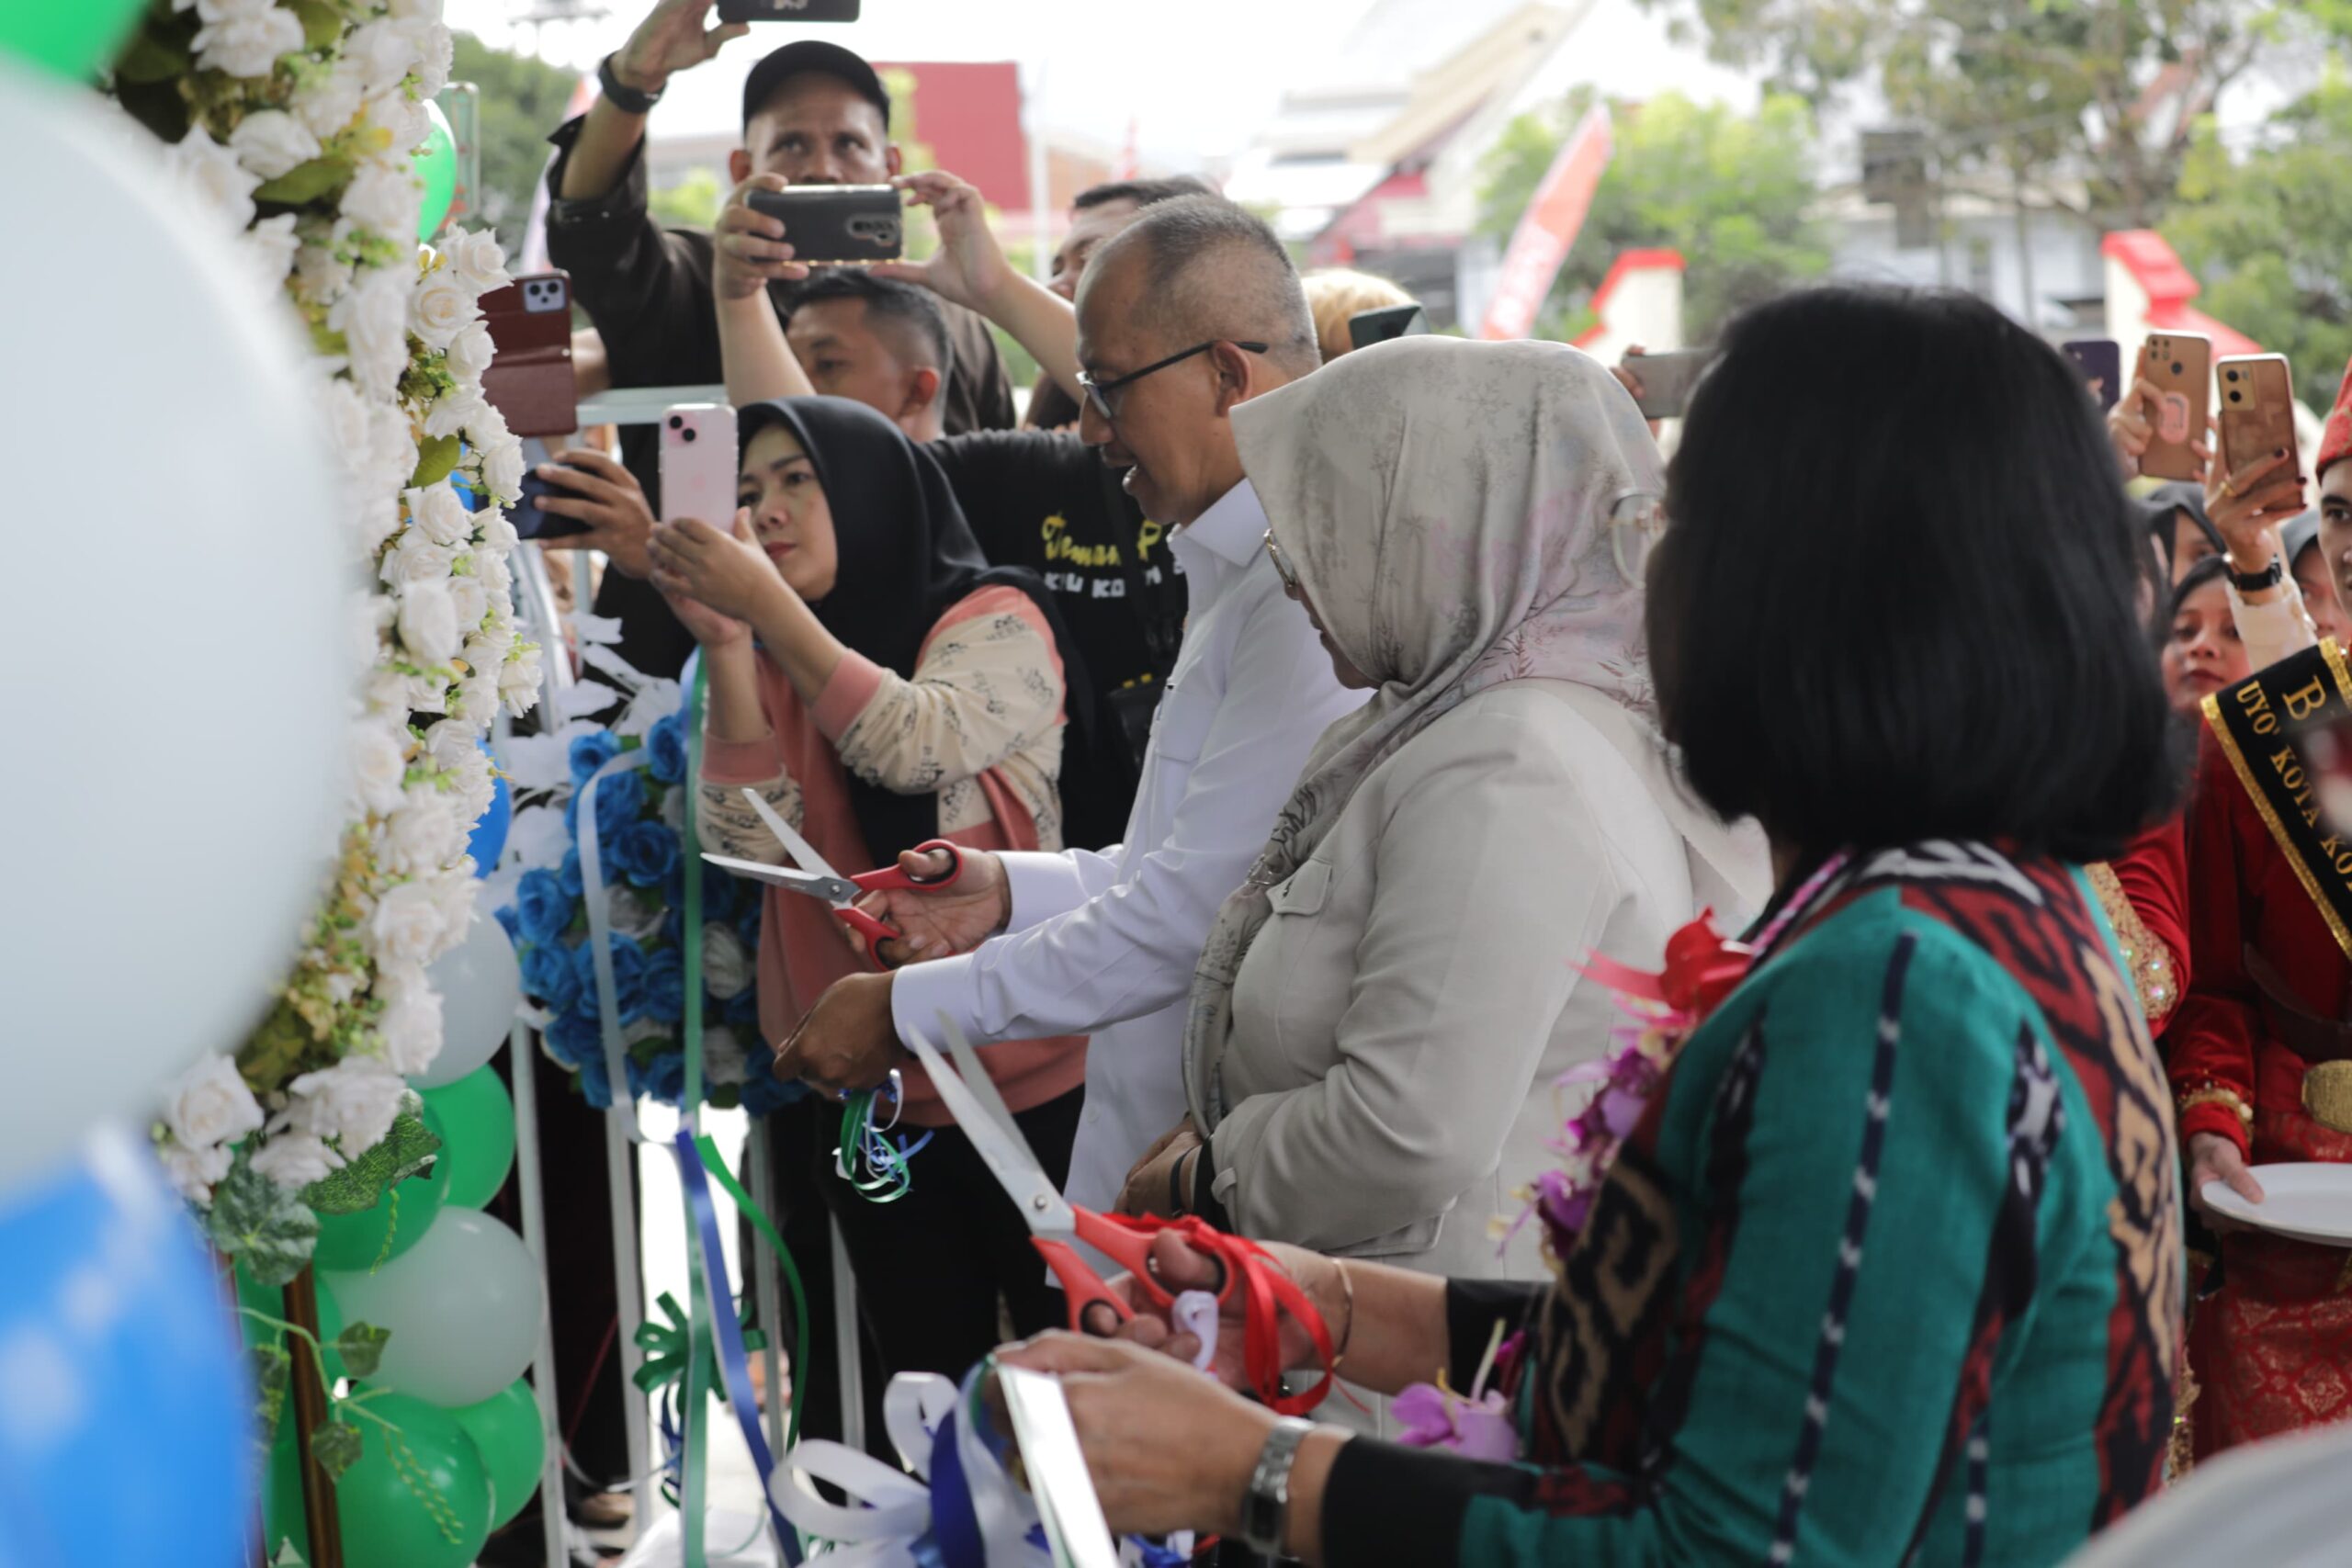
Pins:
x: 297, y: 121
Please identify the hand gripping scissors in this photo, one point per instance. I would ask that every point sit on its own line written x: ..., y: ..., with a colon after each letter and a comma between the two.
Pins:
x: 819, y: 880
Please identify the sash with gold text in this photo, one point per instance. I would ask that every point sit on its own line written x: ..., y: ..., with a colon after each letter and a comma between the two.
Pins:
x: 2287, y: 731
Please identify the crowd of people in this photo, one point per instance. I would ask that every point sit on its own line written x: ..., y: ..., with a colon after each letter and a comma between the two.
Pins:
x: 1317, y: 726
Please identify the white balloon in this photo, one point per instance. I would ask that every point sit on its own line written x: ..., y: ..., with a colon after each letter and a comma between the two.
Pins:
x: 463, y: 1306
x: 480, y: 986
x: 174, y: 669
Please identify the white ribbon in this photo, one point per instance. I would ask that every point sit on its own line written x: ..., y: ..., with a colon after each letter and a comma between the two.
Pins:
x: 1195, y: 1312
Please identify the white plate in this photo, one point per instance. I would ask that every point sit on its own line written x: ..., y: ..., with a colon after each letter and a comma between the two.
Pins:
x: 2309, y: 1203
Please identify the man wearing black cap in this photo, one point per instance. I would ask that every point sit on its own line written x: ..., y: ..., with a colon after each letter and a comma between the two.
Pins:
x: 815, y: 114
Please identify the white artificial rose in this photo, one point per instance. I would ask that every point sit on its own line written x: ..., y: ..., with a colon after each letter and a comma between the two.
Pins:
x: 403, y: 10
x: 379, y: 767
x: 384, y: 198
x: 213, y: 172
x: 439, y: 308
x: 373, y: 521
x: 273, y: 245
x: 320, y: 278
x: 392, y: 446
x: 486, y: 648
x: 435, y: 52
x: 210, y: 1104
x: 724, y: 1061
x: 497, y: 578
x: 329, y: 105
x: 350, y: 425
x: 409, y: 1025
x: 451, y: 742
x: 453, y: 410
x: 294, y: 1160
x: 249, y: 42
x: 406, y: 925
x: 382, y: 53
x: 416, y: 559
x: 436, y: 511
x: 470, y: 349
x: 367, y: 615
x: 351, y: 1104
x: 476, y: 699
x: 428, y: 694
x: 402, y: 120
x: 470, y: 600
x: 635, y: 915
x: 501, y: 467
x: 373, y: 319
x: 453, y: 891
x: 475, y: 256
x: 518, y: 681
x: 194, y: 1171
x: 424, y: 834
x: 497, y: 533
x: 273, y: 142
x: 726, y: 962
x: 428, y: 623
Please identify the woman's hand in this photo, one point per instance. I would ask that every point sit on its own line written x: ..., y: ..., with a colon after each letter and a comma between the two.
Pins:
x: 1177, y: 1267
x: 969, y: 269
x: 2212, y: 1157
x: 607, y: 498
x: 748, y: 247
x: 1167, y: 1448
x: 711, y: 630
x: 936, y: 923
x: 2131, y: 427
x: 1148, y: 1188
x: 2245, y: 505
x: 728, y: 572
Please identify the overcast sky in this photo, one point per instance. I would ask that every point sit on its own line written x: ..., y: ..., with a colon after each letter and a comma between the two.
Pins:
x: 1196, y: 76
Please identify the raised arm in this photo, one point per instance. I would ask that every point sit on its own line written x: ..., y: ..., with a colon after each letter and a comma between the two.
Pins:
x: 970, y: 270
x: 672, y: 38
x: 751, y: 252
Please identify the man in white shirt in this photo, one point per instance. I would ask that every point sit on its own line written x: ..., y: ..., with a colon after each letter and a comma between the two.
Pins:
x: 1193, y: 308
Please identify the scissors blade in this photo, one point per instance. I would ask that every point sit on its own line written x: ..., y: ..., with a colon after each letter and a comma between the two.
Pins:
x: 983, y: 1088
x: 832, y: 889
x: 795, y: 845
x: 1000, y: 1144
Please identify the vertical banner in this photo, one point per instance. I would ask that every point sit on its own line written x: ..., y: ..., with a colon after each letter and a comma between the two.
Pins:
x: 1548, y: 228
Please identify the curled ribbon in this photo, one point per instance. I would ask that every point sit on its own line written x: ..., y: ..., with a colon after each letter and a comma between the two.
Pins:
x: 665, y: 1347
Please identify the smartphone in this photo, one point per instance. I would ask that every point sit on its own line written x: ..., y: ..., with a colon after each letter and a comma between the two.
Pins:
x: 530, y: 523
x: 2100, y: 360
x: 1667, y: 379
x: 529, y: 378
x: 2257, y: 412
x: 1384, y: 321
x: 787, y: 10
x: 833, y: 225
x: 2181, y: 367
x: 698, y: 463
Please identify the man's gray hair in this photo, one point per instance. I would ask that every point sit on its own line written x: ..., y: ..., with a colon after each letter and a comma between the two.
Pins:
x: 1213, y: 270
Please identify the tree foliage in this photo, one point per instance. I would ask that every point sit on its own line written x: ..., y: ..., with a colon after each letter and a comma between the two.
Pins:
x: 2270, y: 233
x: 1732, y: 192
x: 522, y: 100
x: 2056, y: 94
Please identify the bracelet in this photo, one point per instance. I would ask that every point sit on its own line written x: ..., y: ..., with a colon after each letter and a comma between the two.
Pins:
x: 1176, y: 1210
x: 1347, y: 1296
x: 623, y: 97
x: 2215, y: 1094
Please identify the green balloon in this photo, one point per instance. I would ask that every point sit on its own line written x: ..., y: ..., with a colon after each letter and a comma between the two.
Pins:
x: 512, y: 1444
x: 427, y: 1508
x: 437, y: 164
x: 357, y: 1243
x: 73, y: 39
x: 270, y: 1301
x: 475, y: 1117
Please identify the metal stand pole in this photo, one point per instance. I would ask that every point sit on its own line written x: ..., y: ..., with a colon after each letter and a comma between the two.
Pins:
x: 628, y: 1275
x: 318, y: 1510
x: 852, y: 1371
x: 767, y: 1288
x: 534, y: 1222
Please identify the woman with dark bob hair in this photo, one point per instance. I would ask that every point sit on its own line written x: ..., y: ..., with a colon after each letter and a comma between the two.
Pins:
x: 1887, y: 1267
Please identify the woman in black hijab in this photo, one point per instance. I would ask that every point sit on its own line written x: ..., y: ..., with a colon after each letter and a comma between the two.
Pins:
x: 878, y: 684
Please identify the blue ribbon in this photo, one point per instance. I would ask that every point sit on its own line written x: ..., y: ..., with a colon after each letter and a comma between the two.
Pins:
x: 734, y: 1364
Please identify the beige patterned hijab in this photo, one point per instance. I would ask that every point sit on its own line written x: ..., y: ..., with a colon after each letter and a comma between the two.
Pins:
x: 1447, y: 506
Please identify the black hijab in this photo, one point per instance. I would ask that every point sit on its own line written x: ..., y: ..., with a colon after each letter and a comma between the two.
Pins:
x: 906, y: 556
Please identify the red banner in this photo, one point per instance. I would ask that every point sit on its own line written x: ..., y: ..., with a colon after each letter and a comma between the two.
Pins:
x: 1548, y: 228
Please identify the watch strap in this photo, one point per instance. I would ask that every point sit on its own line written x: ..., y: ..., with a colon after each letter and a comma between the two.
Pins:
x: 628, y: 99
x: 1265, y: 1508
x: 2269, y: 577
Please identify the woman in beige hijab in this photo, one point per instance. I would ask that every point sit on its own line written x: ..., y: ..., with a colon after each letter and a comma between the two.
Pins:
x: 1382, y: 1008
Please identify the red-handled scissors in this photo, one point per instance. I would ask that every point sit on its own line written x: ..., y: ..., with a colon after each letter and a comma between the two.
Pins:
x: 819, y: 880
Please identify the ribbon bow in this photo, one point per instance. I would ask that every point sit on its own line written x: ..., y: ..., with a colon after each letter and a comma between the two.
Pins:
x: 1703, y: 967
x: 664, y: 1344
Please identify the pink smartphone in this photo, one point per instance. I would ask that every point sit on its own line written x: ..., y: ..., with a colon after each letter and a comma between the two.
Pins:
x: 698, y: 463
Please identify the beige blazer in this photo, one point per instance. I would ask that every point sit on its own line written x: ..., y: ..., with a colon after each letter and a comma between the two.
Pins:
x: 1399, y: 1020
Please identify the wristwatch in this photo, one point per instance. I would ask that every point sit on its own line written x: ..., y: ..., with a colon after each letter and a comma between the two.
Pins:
x: 626, y: 99
x: 1265, y: 1509
x: 2256, y: 582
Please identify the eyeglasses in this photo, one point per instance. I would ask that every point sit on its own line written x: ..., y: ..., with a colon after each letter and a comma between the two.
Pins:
x: 1098, y: 393
x: 1283, y: 568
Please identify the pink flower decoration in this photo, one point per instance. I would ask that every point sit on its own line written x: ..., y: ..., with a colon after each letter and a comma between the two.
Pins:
x: 1438, y: 1418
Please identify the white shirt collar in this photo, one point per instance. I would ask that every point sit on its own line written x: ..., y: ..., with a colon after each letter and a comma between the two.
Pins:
x: 1234, y: 526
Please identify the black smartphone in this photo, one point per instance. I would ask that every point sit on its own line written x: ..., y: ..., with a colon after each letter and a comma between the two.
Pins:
x: 2100, y: 360
x: 1667, y: 379
x: 530, y: 523
x: 831, y: 225
x: 1384, y: 321
x: 787, y: 10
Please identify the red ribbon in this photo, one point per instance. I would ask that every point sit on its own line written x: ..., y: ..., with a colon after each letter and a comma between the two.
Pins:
x: 1703, y: 967
x: 1268, y: 1292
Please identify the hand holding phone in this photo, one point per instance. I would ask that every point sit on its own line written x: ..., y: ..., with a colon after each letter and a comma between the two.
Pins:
x: 834, y: 225
x: 2177, y: 368
x: 2257, y: 483
x: 585, y: 501
x: 1661, y: 383
x: 787, y: 10
x: 970, y: 267
x: 2100, y: 360
x: 672, y: 39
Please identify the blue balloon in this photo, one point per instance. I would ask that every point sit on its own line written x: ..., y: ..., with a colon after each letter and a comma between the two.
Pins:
x: 129, y: 1438
x: 489, y: 832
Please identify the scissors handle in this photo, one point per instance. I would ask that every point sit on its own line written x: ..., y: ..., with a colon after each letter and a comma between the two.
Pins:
x: 1079, y: 1282
x: 891, y: 879
x: 873, y: 931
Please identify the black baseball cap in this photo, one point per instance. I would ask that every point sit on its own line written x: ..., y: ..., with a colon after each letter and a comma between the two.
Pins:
x: 810, y: 56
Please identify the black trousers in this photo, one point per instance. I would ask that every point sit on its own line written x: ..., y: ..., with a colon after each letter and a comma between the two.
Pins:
x: 931, y: 1267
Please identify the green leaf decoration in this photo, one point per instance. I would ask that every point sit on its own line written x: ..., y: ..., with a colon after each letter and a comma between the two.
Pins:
x: 361, y: 1346
x: 361, y: 1182
x: 272, y: 1369
x: 305, y: 182
x: 255, y: 1219
x: 321, y: 26
x: 337, y: 1448
x: 435, y: 456
x: 151, y: 58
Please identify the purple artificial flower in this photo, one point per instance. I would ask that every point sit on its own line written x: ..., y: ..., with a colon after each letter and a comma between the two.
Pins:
x: 1433, y: 1418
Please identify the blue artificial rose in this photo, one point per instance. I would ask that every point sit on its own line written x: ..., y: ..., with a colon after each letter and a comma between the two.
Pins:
x: 509, y: 923
x: 568, y: 877
x: 717, y: 890
x: 763, y: 1094
x: 645, y: 852
x: 665, y: 985
x: 620, y: 800
x: 549, y: 977
x: 665, y: 743
x: 542, y: 908
x: 662, y: 1078
x: 743, y: 1009
x: 629, y: 975
x: 595, y: 1087
x: 592, y: 751
x: 574, y: 1040
x: 747, y: 924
